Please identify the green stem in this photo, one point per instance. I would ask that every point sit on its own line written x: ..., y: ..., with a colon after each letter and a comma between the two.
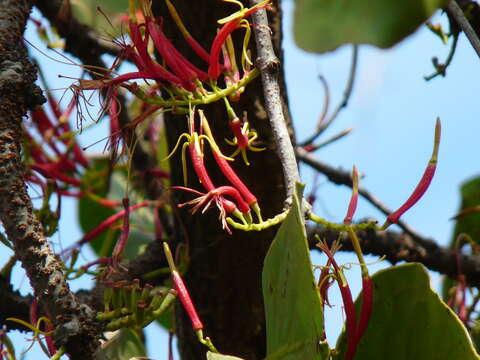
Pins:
x: 342, y: 227
x: 58, y: 354
x: 358, y: 251
x: 207, y: 99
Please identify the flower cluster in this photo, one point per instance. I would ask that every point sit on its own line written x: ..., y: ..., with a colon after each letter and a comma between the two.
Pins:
x: 240, y: 201
x: 178, y: 83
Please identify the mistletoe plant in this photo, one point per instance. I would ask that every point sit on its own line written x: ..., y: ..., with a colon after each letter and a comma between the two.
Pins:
x: 137, y: 228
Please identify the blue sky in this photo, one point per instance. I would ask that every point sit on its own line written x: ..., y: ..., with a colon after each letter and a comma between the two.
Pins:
x: 392, y: 110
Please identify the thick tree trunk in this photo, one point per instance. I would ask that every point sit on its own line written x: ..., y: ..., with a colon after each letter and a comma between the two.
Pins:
x: 224, y: 272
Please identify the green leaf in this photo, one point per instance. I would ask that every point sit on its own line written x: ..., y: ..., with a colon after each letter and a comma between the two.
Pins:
x: 409, y: 321
x: 90, y: 213
x: 124, y: 344
x: 324, y: 25
x: 293, y: 308
x: 469, y: 222
x: 86, y: 12
x: 215, y: 356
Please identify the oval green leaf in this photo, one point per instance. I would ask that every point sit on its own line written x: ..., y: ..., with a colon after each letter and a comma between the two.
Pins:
x: 324, y: 25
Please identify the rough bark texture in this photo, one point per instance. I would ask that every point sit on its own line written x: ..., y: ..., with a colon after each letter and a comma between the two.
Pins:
x: 18, y: 93
x: 224, y: 274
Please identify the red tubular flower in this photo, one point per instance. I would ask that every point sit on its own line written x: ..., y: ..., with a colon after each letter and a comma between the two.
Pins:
x: 422, y: 185
x: 215, y: 68
x: 175, y: 61
x: 183, y: 293
x: 53, y: 171
x: 231, y: 23
x: 144, y: 62
x: 352, y: 206
x: 214, y: 194
x: 367, y: 304
x: 227, y: 169
x: 106, y: 224
x: 346, y: 294
x: 242, y: 138
x: 196, y: 47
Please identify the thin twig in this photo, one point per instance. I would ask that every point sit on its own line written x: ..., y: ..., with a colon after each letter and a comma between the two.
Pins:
x: 457, y: 13
x: 323, y: 125
x: 441, y: 68
x: 341, y: 177
x: 80, y: 39
x: 269, y: 65
x: 334, y: 138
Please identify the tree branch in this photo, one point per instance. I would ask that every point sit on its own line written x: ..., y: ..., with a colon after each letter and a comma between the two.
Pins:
x: 398, y: 247
x: 80, y: 40
x: 457, y: 13
x: 13, y: 305
x: 342, y: 177
x: 322, y: 125
x: 75, y: 327
x: 269, y: 66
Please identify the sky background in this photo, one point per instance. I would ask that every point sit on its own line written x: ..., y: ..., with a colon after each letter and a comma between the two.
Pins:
x: 392, y: 111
